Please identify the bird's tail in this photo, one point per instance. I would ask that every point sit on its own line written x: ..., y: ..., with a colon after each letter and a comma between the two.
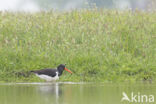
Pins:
x: 32, y: 71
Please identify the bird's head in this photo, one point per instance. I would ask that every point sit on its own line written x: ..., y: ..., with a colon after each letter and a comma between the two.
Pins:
x: 62, y: 67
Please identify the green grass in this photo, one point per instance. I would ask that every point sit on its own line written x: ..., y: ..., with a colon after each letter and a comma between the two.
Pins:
x: 104, y: 45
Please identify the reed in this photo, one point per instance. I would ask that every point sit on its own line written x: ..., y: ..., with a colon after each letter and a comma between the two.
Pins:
x: 97, y: 45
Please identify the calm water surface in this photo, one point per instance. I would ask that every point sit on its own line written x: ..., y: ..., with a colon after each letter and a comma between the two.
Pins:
x: 70, y: 93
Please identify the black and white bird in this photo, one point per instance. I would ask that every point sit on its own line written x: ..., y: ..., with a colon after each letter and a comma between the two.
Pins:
x: 51, y: 74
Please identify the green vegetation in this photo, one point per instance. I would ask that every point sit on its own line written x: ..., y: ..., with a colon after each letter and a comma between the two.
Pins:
x: 104, y: 45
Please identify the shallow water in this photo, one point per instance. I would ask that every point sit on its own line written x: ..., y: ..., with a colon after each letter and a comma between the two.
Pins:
x: 71, y: 93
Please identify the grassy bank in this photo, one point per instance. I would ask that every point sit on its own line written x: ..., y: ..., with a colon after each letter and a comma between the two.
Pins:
x: 96, y: 45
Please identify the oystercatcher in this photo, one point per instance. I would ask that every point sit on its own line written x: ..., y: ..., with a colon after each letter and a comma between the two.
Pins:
x: 51, y: 74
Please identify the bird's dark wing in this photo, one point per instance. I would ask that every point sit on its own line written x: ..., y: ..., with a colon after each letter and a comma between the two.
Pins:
x: 49, y: 72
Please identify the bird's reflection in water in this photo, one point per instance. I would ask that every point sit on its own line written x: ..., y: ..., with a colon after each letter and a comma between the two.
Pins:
x: 51, y: 92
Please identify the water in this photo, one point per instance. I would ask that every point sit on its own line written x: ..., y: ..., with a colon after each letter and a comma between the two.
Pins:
x: 71, y: 93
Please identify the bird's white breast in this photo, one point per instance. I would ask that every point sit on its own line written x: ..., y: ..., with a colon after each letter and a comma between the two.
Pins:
x: 48, y: 78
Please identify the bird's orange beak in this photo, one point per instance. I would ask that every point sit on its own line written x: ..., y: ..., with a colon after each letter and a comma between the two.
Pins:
x: 68, y: 70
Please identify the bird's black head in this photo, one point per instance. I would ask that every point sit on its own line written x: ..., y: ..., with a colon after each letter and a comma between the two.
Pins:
x: 61, y: 68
